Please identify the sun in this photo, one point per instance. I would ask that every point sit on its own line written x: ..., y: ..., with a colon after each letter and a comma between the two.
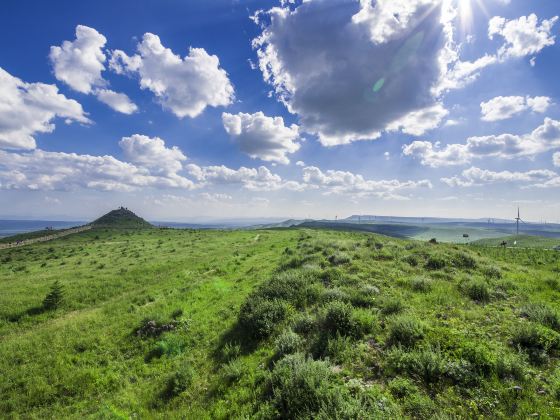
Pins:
x: 466, y: 13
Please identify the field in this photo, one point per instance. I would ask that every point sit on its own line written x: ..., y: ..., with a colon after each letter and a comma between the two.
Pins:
x: 284, y: 323
x: 522, y: 241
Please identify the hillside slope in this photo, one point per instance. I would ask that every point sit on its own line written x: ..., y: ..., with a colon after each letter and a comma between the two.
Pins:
x: 293, y: 323
x: 121, y: 218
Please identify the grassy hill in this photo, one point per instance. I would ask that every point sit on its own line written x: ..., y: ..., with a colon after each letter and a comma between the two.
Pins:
x: 521, y: 241
x: 121, y: 218
x: 293, y: 323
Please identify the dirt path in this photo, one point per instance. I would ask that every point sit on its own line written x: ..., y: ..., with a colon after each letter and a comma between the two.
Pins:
x: 45, y: 238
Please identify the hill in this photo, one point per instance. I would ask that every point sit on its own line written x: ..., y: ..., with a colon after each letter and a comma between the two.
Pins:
x: 521, y: 241
x: 291, y: 323
x: 122, y: 218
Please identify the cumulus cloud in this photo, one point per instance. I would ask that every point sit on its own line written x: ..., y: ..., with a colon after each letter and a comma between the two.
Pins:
x: 419, y: 122
x: 152, y: 153
x: 79, y: 64
x: 254, y: 179
x: 366, y: 70
x: 262, y: 137
x: 506, y: 146
x: 30, y: 108
x: 41, y: 170
x: 118, y: 101
x: 343, y: 182
x: 504, y: 107
x: 523, y: 36
x: 556, y: 159
x: 185, y: 86
x: 477, y: 177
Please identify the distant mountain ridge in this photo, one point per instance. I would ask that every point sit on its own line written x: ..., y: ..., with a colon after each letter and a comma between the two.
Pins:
x: 122, y: 218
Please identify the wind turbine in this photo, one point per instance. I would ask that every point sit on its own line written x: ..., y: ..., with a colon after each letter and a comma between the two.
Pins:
x: 517, y: 220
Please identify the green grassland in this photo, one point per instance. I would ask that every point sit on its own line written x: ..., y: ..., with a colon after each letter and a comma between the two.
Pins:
x: 521, y: 241
x: 285, y: 323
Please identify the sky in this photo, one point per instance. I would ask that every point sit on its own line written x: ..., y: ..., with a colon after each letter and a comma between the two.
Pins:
x: 195, y: 110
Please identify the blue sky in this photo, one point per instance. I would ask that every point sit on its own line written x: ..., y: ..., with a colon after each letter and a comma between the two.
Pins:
x: 224, y: 108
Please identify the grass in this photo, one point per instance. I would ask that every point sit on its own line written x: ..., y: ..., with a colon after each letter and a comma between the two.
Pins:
x: 297, y: 323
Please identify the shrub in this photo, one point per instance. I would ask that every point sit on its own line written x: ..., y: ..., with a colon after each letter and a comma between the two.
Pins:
x: 464, y: 261
x: 421, y: 284
x: 392, y: 306
x: 435, y: 262
x: 331, y: 295
x: 302, y: 387
x: 171, y: 345
x: 492, y: 272
x: 412, y: 260
x: 428, y: 364
x: 179, y: 381
x: 259, y: 317
x: 287, y: 343
x: 405, y: 330
x: 55, y: 297
x: 510, y: 366
x: 231, y: 351
x: 401, y: 387
x: 304, y: 324
x: 338, y: 318
x: 233, y: 370
x: 337, y: 348
x: 477, y: 291
x: 537, y: 341
x: 294, y: 286
x: 339, y: 258
x: 542, y: 314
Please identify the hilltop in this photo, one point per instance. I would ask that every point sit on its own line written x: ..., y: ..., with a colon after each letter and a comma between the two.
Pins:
x: 122, y: 218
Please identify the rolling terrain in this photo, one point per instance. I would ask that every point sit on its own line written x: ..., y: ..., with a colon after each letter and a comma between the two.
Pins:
x: 284, y: 323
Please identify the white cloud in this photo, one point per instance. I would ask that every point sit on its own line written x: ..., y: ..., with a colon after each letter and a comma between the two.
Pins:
x: 41, y: 170
x: 118, y: 101
x: 30, y: 108
x: 185, y: 86
x: 79, y: 64
x: 556, y: 159
x: 255, y: 179
x: 478, y: 177
x: 262, y: 137
x: 504, y: 107
x: 300, y: 163
x: 506, y: 146
x: 366, y: 70
x: 523, y: 36
x: 343, y: 182
x: 151, y: 153
x: 216, y: 197
x: 419, y: 122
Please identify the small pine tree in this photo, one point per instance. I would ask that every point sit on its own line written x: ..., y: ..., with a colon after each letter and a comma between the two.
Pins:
x: 55, y: 297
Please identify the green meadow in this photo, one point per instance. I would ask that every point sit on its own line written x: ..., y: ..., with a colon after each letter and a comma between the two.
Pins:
x: 283, y: 323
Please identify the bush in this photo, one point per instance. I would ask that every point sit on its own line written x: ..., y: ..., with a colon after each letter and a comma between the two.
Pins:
x: 464, y: 261
x: 304, y: 324
x: 338, y: 318
x: 294, y: 286
x: 331, y: 295
x: 171, y: 345
x: 405, y: 330
x: 364, y: 297
x: 259, y: 317
x: 435, y: 262
x: 55, y: 297
x: 301, y: 388
x: 537, y: 341
x: 392, y: 306
x: 412, y: 260
x: 231, y: 351
x: 233, y: 370
x: 421, y: 284
x: 477, y: 291
x: 510, y: 366
x: 179, y: 381
x: 492, y: 272
x: 428, y: 365
x: 287, y: 343
x: 542, y: 314
x: 339, y: 258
